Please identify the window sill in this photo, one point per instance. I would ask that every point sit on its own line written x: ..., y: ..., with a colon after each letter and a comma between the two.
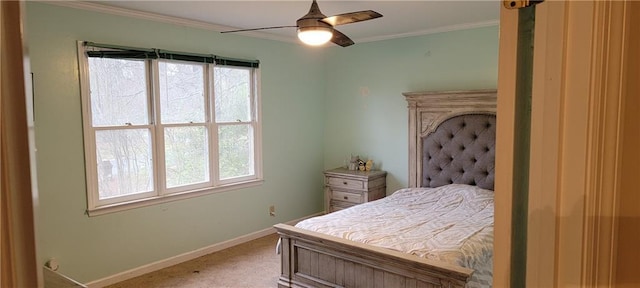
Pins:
x: 106, y: 209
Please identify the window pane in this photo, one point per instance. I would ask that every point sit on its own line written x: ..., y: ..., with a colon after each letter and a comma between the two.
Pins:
x: 236, y: 151
x: 232, y: 91
x: 118, y: 92
x: 181, y: 92
x: 125, y: 162
x: 186, y: 155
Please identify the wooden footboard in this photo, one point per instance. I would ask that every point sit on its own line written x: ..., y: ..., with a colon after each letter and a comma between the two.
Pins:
x: 311, y: 259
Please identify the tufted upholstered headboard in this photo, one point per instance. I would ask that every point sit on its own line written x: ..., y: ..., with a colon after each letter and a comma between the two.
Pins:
x: 461, y: 150
x: 452, y: 138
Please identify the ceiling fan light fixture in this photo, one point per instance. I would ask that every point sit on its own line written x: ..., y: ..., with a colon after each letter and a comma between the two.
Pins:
x: 315, y: 36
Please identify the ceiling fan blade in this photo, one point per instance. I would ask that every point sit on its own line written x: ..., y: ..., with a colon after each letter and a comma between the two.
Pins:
x: 341, y: 39
x: 255, y: 29
x: 351, y: 17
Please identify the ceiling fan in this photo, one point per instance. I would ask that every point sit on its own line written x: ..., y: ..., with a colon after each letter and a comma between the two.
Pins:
x: 315, y: 28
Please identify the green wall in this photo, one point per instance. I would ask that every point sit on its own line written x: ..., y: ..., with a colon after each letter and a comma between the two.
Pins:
x: 366, y: 113
x: 318, y: 107
x: 90, y: 248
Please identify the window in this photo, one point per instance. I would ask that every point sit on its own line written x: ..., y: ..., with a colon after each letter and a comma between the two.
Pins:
x: 160, y: 126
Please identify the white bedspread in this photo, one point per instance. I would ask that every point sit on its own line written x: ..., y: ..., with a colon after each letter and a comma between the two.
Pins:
x: 452, y: 223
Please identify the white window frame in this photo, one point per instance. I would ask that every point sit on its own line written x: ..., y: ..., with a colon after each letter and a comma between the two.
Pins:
x: 161, y: 193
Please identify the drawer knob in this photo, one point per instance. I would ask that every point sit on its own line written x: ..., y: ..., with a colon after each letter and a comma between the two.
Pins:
x: 345, y: 183
x: 346, y: 198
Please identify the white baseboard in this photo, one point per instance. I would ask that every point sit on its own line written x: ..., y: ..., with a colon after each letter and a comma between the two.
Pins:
x: 161, y: 264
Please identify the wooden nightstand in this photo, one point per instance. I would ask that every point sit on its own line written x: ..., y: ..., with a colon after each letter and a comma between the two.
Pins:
x: 345, y: 188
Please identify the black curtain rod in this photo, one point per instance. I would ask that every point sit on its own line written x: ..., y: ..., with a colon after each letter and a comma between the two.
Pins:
x: 115, y: 51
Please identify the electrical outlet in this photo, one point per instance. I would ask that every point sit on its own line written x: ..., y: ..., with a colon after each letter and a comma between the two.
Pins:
x: 272, y: 211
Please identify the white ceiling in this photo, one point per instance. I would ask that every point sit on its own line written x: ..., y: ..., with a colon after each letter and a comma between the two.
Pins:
x: 400, y: 18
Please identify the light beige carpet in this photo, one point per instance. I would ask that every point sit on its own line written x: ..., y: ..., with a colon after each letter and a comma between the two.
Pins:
x: 252, y: 264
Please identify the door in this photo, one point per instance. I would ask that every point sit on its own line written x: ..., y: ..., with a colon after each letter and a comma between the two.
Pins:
x: 581, y: 85
x: 17, y: 233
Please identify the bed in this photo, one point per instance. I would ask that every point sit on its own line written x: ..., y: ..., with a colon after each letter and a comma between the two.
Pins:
x: 451, y: 163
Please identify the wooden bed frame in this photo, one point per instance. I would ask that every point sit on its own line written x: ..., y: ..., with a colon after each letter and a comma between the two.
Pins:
x: 311, y: 259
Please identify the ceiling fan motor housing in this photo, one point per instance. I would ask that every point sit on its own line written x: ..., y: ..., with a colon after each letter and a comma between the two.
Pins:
x: 313, y: 18
x: 312, y: 23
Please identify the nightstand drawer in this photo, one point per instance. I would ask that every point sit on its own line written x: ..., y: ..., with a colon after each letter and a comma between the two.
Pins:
x: 346, y: 197
x: 345, y: 183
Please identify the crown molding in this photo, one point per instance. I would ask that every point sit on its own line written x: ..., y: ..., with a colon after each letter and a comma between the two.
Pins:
x: 443, y: 29
x: 162, y: 18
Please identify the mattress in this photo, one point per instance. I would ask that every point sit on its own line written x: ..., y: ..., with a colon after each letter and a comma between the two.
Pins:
x: 451, y: 223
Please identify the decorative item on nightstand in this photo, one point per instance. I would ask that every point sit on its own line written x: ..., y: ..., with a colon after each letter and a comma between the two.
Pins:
x: 353, y: 162
x: 345, y: 188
